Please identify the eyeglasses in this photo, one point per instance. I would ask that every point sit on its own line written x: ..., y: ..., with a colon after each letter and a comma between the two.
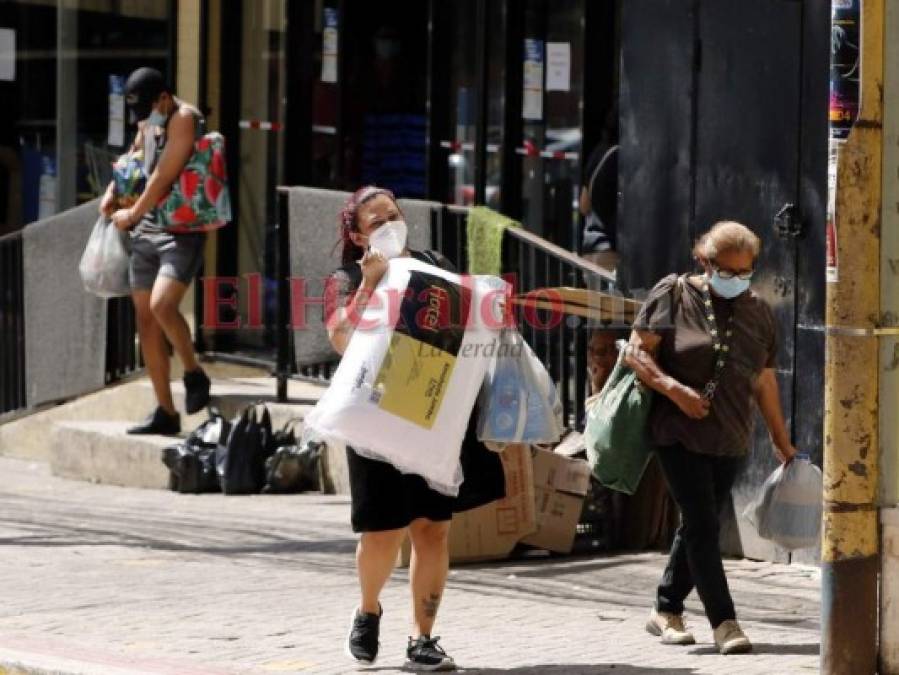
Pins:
x: 745, y: 275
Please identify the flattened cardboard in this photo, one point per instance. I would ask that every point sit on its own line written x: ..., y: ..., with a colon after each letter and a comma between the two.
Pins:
x: 560, y: 486
x: 490, y: 532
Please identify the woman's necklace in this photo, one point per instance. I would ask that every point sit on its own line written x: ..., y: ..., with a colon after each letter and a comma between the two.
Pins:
x: 721, y: 341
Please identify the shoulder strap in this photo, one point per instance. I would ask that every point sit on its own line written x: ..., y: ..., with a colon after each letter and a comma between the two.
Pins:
x: 432, y: 257
x: 599, y: 166
x: 678, y: 289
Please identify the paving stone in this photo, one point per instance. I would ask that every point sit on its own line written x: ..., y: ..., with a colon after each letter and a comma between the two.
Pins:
x: 105, y: 580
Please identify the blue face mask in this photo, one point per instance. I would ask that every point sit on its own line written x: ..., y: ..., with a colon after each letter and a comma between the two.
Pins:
x: 729, y: 288
x: 157, y: 119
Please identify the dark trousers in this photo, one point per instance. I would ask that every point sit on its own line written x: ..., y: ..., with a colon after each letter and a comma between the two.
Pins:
x: 700, y: 484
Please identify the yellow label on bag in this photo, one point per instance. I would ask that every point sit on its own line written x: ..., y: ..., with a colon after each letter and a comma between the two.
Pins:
x: 412, y: 380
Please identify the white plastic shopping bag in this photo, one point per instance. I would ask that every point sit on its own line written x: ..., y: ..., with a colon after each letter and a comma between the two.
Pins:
x: 519, y: 402
x: 406, y: 385
x: 104, y: 263
x: 789, y: 507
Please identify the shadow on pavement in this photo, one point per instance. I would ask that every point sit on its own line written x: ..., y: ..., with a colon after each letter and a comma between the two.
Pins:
x: 806, y: 649
x: 566, y: 669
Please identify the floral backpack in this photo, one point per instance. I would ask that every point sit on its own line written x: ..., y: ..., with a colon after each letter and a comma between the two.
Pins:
x: 199, y: 201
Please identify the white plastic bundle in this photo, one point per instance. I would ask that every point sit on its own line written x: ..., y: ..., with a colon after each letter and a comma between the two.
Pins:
x: 789, y: 508
x: 409, y: 378
x: 104, y: 263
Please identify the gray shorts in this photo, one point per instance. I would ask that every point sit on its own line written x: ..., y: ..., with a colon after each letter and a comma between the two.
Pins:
x: 177, y: 256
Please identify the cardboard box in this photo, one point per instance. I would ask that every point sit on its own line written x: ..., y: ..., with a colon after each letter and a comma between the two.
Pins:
x: 490, y: 532
x: 560, y: 485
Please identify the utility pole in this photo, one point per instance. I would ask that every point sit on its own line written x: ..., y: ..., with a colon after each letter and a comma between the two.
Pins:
x: 850, y: 544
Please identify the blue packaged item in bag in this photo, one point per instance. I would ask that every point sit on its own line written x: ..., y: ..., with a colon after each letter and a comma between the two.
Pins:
x: 519, y: 402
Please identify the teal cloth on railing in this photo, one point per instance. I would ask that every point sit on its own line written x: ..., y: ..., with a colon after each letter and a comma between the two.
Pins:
x: 485, y: 240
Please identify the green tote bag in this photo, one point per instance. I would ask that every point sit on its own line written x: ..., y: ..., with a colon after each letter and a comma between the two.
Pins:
x: 617, y: 433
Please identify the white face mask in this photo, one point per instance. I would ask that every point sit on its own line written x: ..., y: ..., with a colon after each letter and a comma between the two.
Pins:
x: 390, y: 238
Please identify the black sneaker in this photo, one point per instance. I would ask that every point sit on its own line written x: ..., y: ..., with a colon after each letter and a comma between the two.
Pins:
x: 425, y: 654
x: 362, y: 642
x: 196, y: 390
x: 159, y: 422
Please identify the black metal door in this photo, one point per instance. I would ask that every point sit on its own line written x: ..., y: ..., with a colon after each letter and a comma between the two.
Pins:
x: 713, y: 129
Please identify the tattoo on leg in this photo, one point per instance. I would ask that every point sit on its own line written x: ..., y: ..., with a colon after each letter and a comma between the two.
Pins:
x: 431, y: 604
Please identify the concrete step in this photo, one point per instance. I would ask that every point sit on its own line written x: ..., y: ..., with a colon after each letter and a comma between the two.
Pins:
x: 85, y: 439
x: 31, y: 437
x: 101, y: 452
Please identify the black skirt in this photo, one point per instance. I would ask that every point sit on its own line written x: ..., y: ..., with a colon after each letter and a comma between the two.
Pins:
x: 385, y: 499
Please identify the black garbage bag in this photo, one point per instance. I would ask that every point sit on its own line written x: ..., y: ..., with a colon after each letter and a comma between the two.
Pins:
x: 240, y: 461
x: 294, y: 468
x: 286, y: 435
x: 191, y: 463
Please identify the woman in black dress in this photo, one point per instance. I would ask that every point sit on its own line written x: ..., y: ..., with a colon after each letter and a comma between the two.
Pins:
x: 386, y: 504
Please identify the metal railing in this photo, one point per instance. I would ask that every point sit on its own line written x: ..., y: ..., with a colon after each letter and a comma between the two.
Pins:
x: 12, y: 324
x: 122, y: 352
x: 123, y: 355
x: 533, y: 262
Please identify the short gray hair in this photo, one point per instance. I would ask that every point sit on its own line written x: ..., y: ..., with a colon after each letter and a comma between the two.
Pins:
x: 727, y: 235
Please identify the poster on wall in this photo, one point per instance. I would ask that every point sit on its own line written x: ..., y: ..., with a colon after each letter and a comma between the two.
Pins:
x: 329, y: 45
x: 845, y: 66
x: 532, y: 102
x: 845, y: 72
x: 7, y: 55
x: 116, y: 137
x: 558, y: 66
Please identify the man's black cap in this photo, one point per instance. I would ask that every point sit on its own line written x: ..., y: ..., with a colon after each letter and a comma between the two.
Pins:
x: 142, y: 89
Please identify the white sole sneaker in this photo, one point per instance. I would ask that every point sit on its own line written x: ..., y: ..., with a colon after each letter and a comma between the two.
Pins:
x: 444, y: 666
x: 681, y: 641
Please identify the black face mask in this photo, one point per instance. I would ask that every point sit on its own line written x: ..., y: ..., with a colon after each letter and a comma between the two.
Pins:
x: 138, y: 110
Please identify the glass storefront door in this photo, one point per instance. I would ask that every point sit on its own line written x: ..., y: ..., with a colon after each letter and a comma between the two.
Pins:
x: 458, y: 148
x: 62, y: 118
x: 551, y: 143
x: 261, y: 167
x: 369, y: 112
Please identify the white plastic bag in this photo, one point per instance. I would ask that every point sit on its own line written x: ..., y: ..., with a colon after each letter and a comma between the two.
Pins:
x: 519, y: 402
x: 104, y: 263
x: 789, y: 508
x: 406, y: 385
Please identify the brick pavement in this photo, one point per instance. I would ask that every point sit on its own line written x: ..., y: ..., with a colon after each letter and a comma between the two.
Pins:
x: 133, y: 581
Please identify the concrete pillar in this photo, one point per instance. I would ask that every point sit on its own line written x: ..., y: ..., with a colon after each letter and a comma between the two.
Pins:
x: 889, y: 351
x: 850, y: 544
x: 66, y: 104
x: 187, y: 86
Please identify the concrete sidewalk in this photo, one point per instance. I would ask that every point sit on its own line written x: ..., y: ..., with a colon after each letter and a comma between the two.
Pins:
x: 104, y: 580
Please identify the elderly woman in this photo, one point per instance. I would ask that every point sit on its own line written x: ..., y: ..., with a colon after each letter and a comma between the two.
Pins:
x: 386, y: 504
x: 707, y: 344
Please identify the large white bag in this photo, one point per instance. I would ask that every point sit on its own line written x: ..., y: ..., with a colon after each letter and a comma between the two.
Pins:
x: 409, y: 378
x: 789, y: 507
x: 104, y: 263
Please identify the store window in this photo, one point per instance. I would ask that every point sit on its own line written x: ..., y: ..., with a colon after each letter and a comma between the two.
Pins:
x: 552, y: 115
x: 62, y: 63
x: 370, y: 96
x: 463, y: 103
x: 261, y: 167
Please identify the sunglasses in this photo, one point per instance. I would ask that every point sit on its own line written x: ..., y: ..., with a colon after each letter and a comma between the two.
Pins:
x: 745, y: 275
